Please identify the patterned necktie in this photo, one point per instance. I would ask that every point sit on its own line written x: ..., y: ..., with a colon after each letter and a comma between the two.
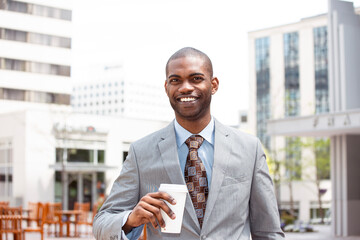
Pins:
x: 195, y: 177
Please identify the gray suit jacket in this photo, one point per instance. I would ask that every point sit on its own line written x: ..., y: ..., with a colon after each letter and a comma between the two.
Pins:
x: 241, y: 198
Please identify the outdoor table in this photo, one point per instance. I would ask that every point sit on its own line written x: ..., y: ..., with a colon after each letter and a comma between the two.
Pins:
x: 67, y: 214
x: 27, y: 216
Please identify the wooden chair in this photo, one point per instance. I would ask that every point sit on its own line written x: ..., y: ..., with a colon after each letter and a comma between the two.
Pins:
x: 10, y: 222
x: 51, y: 218
x: 4, y: 203
x: 40, y: 223
x: 34, y: 214
x: 83, y: 218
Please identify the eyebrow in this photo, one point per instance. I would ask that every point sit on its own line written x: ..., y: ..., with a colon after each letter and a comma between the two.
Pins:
x: 193, y: 74
x: 174, y: 75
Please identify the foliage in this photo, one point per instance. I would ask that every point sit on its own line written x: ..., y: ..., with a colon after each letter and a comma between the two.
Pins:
x: 295, y: 164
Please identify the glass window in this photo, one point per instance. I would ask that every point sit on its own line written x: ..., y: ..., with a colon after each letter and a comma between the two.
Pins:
x: 38, y: 10
x: 15, y: 35
x: 321, y: 70
x: 262, y: 56
x: 49, y: 40
x: 14, y: 94
x: 44, y: 97
x: 292, y: 84
x: 58, y: 187
x: 101, y: 156
x: 16, y: 6
x: 35, y: 67
x: 6, y: 169
x: 12, y: 64
x: 80, y: 155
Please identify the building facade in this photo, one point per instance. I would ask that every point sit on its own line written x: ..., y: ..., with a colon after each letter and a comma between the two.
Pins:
x: 35, y: 69
x: 109, y: 93
x: 314, y: 86
x: 35, y: 53
x: 288, y: 75
x: 61, y: 156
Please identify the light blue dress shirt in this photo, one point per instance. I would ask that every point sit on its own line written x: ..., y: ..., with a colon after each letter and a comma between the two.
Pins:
x: 206, y: 150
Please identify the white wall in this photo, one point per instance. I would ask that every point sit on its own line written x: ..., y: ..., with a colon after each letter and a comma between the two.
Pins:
x: 13, y: 127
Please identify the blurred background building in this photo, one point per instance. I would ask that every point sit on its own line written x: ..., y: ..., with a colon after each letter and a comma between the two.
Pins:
x: 304, y: 87
x: 289, y: 77
x: 109, y: 92
x: 48, y: 152
x: 35, y: 54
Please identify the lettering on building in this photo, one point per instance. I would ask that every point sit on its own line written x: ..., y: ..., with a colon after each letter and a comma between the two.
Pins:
x: 347, y: 120
x: 316, y: 121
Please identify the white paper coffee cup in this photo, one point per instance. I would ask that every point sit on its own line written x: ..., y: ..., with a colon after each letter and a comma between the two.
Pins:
x: 178, y: 192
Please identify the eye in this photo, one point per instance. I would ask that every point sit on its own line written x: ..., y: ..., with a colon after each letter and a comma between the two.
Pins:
x: 173, y: 80
x: 198, y: 78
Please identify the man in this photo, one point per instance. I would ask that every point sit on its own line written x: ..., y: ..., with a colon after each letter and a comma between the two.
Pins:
x: 230, y: 191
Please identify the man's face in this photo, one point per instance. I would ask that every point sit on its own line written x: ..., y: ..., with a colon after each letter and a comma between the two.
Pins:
x: 189, y: 87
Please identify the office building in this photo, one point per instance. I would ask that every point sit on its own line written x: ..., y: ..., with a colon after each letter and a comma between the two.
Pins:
x: 305, y: 83
x: 61, y: 156
x: 35, y: 54
x: 108, y: 92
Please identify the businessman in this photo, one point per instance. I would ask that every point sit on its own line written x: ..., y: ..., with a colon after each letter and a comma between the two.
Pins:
x: 230, y: 191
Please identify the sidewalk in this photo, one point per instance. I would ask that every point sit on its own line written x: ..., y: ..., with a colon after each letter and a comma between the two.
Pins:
x: 323, y: 232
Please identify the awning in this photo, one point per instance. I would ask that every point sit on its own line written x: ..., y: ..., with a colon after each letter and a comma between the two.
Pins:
x: 329, y: 124
x: 81, y: 167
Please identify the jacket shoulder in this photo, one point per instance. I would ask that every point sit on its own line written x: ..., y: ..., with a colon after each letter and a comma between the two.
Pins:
x: 155, y: 137
x: 236, y: 133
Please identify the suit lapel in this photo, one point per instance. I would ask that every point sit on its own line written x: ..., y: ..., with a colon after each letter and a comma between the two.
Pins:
x: 222, y: 149
x: 170, y: 157
x: 168, y: 151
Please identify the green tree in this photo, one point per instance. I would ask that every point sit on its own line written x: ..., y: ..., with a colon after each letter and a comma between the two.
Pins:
x: 321, y: 149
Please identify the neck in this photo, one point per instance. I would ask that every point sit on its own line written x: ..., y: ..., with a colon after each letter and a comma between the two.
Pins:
x: 194, y: 126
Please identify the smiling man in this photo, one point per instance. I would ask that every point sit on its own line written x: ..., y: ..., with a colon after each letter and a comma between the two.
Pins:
x: 230, y: 191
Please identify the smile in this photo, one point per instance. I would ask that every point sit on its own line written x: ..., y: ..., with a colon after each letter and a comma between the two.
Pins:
x: 187, y: 99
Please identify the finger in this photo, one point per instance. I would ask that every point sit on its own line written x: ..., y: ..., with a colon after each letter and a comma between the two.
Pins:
x: 155, y: 213
x: 163, y: 195
x: 159, y: 204
x: 147, y: 217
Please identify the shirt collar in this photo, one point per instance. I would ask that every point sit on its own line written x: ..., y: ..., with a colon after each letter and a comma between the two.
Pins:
x: 182, y: 134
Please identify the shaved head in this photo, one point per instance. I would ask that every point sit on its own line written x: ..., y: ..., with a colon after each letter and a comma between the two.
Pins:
x: 191, y: 52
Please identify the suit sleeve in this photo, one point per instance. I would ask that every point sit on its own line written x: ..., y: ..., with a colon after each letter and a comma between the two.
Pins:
x: 264, y: 215
x: 122, y: 199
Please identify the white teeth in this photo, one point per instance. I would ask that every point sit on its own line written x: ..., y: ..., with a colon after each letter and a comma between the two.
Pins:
x: 187, y: 99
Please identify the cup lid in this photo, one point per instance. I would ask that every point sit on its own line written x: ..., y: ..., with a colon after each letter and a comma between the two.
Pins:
x: 173, y: 187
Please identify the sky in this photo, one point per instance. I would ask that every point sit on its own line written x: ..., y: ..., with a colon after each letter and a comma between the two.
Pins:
x: 141, y: 35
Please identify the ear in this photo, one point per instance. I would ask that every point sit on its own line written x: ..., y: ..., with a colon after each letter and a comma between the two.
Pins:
x: 165, y: 86
x: 214, y: 85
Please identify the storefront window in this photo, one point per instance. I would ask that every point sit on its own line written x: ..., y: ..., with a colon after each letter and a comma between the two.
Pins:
x: 6, y: 169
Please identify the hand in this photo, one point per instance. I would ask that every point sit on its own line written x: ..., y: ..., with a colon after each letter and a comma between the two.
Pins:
x: 148, y: 210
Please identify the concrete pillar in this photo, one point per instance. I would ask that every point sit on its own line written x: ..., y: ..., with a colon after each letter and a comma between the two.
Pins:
x: 345, y: 161
x: 66, y: 191
x: 94, y: 195
x: 304, y: 213
x: 80, y: 186
x: 96, y: 160
x: 353, y: 180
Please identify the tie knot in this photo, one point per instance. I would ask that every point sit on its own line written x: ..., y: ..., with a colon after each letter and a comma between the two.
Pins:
x: 194, y: 141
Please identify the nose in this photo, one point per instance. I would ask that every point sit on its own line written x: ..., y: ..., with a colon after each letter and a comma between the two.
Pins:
x: 186, y: 87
